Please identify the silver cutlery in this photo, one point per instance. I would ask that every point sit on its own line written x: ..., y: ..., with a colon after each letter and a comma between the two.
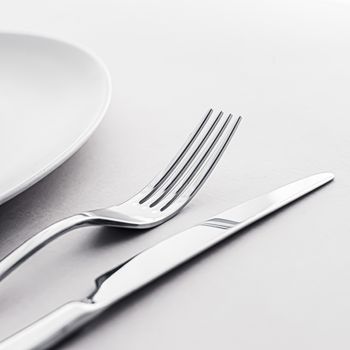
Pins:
x: 158, y: 201
x: 155, y: 262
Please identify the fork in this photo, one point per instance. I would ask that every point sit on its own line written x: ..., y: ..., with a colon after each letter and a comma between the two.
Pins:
x: 158, y: 201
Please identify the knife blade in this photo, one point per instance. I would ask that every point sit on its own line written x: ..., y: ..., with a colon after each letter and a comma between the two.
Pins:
x: 156, y: 261
x: 174, y: 251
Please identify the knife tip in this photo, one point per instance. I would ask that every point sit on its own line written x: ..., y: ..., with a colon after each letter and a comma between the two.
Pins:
x: 327, y: 177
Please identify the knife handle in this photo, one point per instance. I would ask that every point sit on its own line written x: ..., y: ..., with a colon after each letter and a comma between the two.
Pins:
x: 53, y: 327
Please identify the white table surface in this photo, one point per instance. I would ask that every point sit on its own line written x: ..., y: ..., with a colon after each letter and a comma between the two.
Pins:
x: 285, y: 67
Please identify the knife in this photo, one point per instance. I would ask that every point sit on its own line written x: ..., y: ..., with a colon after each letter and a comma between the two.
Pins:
x: 154, y: 262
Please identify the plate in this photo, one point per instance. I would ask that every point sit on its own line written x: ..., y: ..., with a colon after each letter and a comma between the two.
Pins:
x: 53, y: 95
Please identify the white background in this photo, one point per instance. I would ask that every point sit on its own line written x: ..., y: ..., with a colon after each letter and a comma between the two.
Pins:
x: 285, y: 67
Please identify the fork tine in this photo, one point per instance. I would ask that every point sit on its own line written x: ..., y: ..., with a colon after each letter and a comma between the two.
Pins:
x: 182, y: 169
x: 157, y: 182
x: 198, y: 176
x: 193, y: 162
x: 194, y: 167
x: 161, y: 177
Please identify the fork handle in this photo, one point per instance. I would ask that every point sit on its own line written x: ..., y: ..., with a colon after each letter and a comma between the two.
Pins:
x: 40, y: 240
x: 53, y: 327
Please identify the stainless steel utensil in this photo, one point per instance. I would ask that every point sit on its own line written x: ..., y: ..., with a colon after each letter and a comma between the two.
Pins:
x: 155, y: 262
x: 158, y: 201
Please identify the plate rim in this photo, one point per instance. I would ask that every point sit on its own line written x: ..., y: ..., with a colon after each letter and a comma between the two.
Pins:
x: 83, y: 137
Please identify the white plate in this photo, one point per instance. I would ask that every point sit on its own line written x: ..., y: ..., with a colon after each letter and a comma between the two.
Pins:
x: 52, y: 97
